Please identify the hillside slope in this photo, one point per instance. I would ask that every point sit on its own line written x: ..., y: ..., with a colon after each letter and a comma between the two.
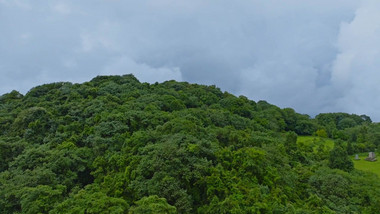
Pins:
x: 115, y: 145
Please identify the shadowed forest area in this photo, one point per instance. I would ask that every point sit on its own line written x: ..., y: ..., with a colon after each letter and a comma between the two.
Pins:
x: 115, y: 145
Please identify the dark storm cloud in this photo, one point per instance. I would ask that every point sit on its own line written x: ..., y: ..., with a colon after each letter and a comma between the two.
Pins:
x: 314, y: 56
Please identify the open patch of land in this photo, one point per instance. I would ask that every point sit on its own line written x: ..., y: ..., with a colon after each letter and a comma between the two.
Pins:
x: 367, y: 166
x: 315, y: 141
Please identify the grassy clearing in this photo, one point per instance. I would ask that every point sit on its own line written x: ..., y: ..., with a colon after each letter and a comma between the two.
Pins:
x: 361, y: 164
x: 315, y: 141
x: 367, y: 166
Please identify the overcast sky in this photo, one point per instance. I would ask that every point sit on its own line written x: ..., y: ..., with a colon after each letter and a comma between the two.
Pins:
x: 313, y: 56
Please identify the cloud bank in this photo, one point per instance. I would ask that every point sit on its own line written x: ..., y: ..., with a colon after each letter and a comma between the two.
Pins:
x: 319, y: 56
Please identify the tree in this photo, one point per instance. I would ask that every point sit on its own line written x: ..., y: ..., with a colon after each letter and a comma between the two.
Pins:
x: 290, y: 117
x: 91, y: 200
x: 40, y: 199
x: 305, y: 127
x: 339, y: 158
x: 346, y: 123
x: 350, y: 148
x: 152, y: 205
x: 321, y: 133
x: 291, y: 142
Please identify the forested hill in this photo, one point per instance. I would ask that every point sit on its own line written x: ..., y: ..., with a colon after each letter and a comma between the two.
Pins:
x: 115, y: 145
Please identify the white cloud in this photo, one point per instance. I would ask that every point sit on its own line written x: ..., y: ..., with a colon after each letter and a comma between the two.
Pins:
x: 314, y: 56
x: 102, y: 37
x: 62, y: 8
x: 70, y: 63
x: 25, y: 37
x: 356, y: 68
x: 17, y: 3
x: 143, y: 72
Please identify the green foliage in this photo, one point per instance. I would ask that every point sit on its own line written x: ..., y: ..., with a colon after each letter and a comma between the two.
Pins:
x: 306, y: 127
x: 32, y: 123
x: 321, y: 133
x: 334, y: 187
x: 291, y: 142
x: 115, y: 145
x: 9, y: 149
x: 341, y: 120
x: 40, y: 199
x: 350, y: 148
x: 91, y: 200
x: 151, y: 205
x: 339, y: 158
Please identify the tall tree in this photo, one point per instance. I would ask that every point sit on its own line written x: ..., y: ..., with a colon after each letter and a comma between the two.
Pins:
x: 339, y: 158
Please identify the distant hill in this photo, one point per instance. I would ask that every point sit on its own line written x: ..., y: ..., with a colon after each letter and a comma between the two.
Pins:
x: 116, y: 145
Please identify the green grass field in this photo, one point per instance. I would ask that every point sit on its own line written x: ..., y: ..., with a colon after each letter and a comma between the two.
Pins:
x: 315, y: 141
x: 364, y: 165
x: 361, y: 164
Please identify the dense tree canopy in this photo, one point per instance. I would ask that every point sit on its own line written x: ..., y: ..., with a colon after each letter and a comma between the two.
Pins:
x: 115, y: 145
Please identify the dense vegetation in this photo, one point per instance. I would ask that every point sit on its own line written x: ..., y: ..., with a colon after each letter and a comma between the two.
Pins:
x: 115, y: 145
